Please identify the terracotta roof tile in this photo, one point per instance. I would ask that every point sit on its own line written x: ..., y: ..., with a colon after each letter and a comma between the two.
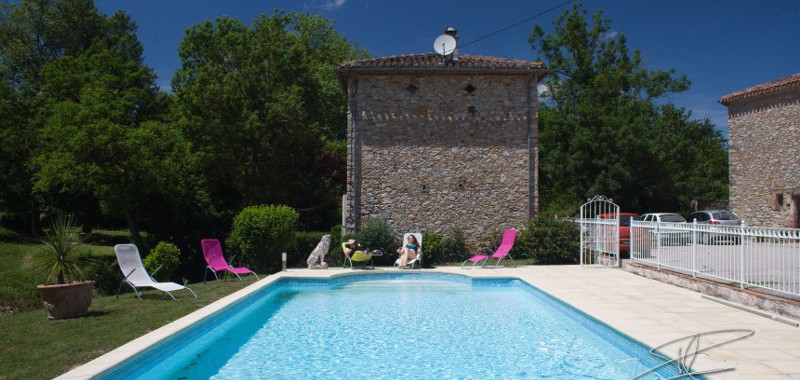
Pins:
x: 761, y: 89
x: 436, y: 61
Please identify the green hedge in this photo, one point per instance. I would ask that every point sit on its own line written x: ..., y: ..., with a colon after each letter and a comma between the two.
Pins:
x: 165, y: 255
x: 450, y: 247
x: 546, y: 241
x: 377, y: 234
x: 261, y: 233
x: 104, y: 270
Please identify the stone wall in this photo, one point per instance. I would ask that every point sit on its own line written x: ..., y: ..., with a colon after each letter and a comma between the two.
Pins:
x: 432, y: 151
x: 765, y: 158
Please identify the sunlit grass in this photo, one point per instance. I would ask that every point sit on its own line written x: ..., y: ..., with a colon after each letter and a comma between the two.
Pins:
x: 36, y: 348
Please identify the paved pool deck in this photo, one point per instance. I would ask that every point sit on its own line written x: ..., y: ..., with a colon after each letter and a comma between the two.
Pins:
x: 649, y: 311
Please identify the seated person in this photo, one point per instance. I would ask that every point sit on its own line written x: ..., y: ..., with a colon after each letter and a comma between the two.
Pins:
x: 350, y: 247
x: 409, y: 251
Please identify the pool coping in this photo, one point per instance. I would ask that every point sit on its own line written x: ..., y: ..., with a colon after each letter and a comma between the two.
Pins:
x: 130, y: 350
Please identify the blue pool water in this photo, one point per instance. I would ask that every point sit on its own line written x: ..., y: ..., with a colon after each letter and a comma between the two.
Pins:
x: 387, y: 326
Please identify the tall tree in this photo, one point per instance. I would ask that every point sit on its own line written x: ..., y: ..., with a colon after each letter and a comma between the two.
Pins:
x: 263, y: 109
x: 93, y: 128
x: 604, y: 128
x: 33, y: 34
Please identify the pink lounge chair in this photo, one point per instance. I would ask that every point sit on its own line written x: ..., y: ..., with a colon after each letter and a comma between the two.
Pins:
x: 502, y: 251
x: 212, y: 251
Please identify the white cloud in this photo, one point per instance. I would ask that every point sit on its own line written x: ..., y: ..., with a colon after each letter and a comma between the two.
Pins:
x: 333, y: 4
x: 609, y: 35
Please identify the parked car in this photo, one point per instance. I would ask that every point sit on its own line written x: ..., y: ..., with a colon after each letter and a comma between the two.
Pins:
x: 663, y: 217
x: 624, y: 230
x: 667, y: 235
x: 717, y: 218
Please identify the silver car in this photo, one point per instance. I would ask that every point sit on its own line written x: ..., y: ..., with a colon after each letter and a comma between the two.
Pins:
x: 717, y: 218
x: 669, y: 234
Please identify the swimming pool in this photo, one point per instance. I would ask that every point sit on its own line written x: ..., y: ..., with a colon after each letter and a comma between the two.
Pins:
x: 395, y: 325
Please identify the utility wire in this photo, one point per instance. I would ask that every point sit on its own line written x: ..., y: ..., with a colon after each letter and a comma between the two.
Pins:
x: 517, y: 23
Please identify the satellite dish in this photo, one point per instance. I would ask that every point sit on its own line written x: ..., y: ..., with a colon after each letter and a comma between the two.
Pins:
x: 444, y: 44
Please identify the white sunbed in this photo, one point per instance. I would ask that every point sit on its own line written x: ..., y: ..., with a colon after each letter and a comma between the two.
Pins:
x: 417, y: 260
x: 130, y: 262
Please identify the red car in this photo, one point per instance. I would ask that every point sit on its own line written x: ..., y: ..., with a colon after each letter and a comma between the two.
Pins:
x: 624, y: 230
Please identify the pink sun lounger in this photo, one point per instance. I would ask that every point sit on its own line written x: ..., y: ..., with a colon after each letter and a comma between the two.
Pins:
x: 212, y: 252
x: 505, y: 247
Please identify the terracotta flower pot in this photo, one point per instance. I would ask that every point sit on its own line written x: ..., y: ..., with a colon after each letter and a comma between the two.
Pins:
x: 67, y: 300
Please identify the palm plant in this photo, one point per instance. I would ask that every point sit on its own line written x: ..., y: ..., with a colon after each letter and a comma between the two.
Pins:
x: 58, y: 256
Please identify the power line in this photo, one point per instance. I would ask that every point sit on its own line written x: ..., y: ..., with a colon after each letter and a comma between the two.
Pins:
x: 517, y: 23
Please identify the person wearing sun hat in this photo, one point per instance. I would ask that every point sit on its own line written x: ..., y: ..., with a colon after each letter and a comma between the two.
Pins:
x: 350, y: 247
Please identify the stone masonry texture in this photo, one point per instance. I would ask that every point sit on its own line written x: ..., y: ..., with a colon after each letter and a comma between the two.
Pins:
x: 764, y: 153
x: 430, y: 151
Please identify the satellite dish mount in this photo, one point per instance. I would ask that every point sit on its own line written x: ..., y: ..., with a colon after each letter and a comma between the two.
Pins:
x: 447, y: 44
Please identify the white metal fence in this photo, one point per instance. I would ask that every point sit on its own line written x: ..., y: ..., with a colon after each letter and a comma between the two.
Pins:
x: 599, y: 225
x: 749, y: 256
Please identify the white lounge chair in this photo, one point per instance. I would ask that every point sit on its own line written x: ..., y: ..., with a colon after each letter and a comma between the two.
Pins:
x: 130, y: 262
x: 418, y: 258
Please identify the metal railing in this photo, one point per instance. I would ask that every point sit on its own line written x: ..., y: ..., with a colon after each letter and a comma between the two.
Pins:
x: 761, y: 257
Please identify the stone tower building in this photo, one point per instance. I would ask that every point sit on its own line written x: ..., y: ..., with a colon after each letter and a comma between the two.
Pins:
x: 436, y: 142
x: 764, y: 130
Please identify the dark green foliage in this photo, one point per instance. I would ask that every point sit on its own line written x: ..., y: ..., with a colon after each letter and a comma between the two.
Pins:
x: 544, y: 240
x: 337, y: 253
x: 261, y: 233
x: 454, y: 246
x: 105, y: 272
x: 165, y: 255
x: 548, y: 242
x: 431, y: 248
x: 603, y: 130
x: 448, y: 248
x: 377, y: 234
x: 264, y: 111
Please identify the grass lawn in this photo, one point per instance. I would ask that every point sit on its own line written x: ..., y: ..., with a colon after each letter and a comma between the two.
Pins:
x: 35, y: 348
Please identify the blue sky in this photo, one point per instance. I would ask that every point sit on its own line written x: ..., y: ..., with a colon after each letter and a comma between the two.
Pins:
x: 722, y: 46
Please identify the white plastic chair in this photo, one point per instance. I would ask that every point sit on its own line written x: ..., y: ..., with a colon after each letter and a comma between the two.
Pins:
x: 130, y: 262
x: 418, y: 258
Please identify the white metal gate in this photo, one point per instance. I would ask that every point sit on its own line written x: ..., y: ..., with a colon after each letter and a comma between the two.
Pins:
x: 599, y: 224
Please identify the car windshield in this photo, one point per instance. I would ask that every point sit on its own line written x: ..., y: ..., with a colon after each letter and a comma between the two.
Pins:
x: 625, y: 220
x: 725, y: 215
x: 672, y: 218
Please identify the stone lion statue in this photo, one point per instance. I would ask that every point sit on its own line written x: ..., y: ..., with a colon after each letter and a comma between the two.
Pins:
x: 317, y: 258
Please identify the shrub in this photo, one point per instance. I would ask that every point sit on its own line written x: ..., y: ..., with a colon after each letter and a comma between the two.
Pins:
x: 546, y: 241
x: 553, y: 241
x: 165, y: 255
x: 377, y: 234
x: 261, y: 233
x: 431, y: 249
x: 104, y: 270
x: 449, y: 247
x: 453, y: 246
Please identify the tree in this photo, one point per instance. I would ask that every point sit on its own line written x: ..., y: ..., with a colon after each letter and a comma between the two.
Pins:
x: 34, y: 35
x: 605, y: 130
x: 263, y: 109
x: 93, y: 131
